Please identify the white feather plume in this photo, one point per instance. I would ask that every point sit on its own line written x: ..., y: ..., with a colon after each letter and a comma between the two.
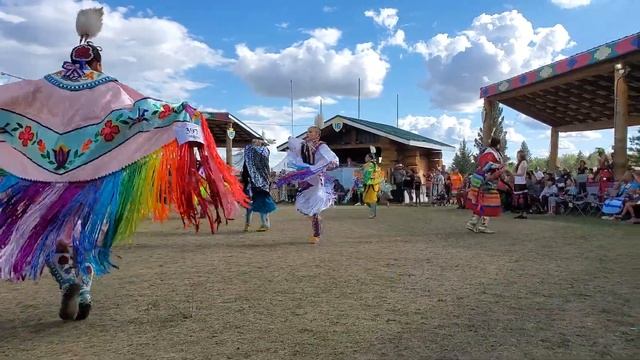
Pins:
x: 319, y: 121
x: 89, y: 23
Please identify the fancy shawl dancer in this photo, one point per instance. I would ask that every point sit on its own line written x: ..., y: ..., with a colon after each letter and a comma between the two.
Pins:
x: 257, y: 183
x: 372, y: 177
x: 87, y: 158
x: 483, y: 197
x: 311, y: 158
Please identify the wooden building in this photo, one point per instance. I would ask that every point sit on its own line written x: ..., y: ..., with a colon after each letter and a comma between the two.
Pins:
x: 593, y: 90
x: 220, y: 124
x: 351, y: 138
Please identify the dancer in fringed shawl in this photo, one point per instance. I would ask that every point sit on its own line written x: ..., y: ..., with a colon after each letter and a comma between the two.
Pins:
x: 88, y: 158
x: 311, y: 158
x: 371, y: 177
x: 483, y: 197
x: 257, y: 183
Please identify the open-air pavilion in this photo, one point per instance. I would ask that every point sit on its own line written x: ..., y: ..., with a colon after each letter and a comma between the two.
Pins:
x: 229, y: 130
x: 593, y: 90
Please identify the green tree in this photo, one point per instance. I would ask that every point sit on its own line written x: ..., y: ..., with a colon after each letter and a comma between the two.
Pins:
x: 539, y: 163
x: 525, y: 148
x: 497, y: 128
x: 463, y: 160
x: 634, y: 150
x: 568, y: 161
x: 580, y: 157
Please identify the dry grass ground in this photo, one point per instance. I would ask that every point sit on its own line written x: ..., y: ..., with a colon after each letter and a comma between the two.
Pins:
x: 412, y: 285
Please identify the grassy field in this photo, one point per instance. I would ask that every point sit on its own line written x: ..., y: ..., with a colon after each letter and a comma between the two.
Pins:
x: 414, y: 284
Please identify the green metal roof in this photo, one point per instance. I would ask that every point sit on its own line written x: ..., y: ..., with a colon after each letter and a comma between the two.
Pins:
x: 393, y: 131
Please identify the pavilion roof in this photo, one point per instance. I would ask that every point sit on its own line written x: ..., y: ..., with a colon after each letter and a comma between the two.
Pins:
x: 575, y: 93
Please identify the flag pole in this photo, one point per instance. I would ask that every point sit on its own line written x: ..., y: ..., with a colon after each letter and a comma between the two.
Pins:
x: 291, y: 89
x: 358, y: 98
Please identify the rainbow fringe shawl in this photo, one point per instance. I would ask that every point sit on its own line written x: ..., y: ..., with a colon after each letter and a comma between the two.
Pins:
x: 34, y: 216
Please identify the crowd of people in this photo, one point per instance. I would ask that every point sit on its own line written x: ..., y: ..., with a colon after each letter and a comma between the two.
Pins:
x: 527, y: 191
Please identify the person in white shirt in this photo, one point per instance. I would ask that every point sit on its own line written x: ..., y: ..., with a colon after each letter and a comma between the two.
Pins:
x: 520, y: 192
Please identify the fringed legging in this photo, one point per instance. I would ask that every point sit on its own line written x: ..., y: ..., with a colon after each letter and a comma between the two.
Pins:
x: 316, y: 225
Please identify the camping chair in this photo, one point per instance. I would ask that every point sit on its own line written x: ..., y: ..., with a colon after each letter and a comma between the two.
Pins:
x: 578, y: 203
x: 593, y: 198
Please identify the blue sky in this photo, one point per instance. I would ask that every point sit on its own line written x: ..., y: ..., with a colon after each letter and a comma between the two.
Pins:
x: 239, y: 56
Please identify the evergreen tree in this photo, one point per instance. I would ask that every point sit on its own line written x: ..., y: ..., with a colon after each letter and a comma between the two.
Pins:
x: 463, y: 160
x: 525, y: 148
x: 497, y: 126
x: 580, y: 157
x: 634, y: 150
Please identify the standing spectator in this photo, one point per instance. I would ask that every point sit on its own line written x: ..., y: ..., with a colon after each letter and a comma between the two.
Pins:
x: 456, y: 180
x: 447, y: 186
x: 358, y: 187
x: 428, y: 186
x: 397, y: 176
x: 461, y: 195
x: 520, y: 191
x: 417, y: 187
x: 438, y: 183
x: 409, y: 180
x: 339, y: 190
x: 582, y: 177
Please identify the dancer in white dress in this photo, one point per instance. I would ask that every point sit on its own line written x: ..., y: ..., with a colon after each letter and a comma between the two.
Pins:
x: 311, y: 158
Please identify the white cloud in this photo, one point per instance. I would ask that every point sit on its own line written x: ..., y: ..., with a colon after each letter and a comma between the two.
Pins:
x: 329, y: 9
x: 152, y: 64
x: 283, y: 25
x: 566, y: 145
x: 274, y: 122
x: 493, y: 48
x: 14, y: 19
x: 386, y: 17
x: 278, y: 115
x: 315, y: 101
x: 531, y: 123
x: 396, y: 39
x: 327, y: 36
x: 570, y: 4
x: 445, y: 128
x: 316, y: 67
x: 582, y: 136
x: 514, y: 136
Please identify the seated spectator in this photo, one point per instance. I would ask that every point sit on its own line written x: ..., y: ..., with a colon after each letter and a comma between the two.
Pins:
x: 548, y: 197
x: 539, y: 174
x: 632, y: 205
x: 505, y: 189
x: 624, y: 191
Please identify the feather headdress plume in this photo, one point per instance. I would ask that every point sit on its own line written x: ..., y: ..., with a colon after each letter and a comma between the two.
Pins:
x: 319, y: 121
x: 89, y: 23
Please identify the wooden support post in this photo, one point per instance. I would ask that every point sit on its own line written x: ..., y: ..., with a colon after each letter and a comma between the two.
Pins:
x: 620, y: 120
x: 553, y: 150
x: 488, y: 112
x: 229, y: 145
